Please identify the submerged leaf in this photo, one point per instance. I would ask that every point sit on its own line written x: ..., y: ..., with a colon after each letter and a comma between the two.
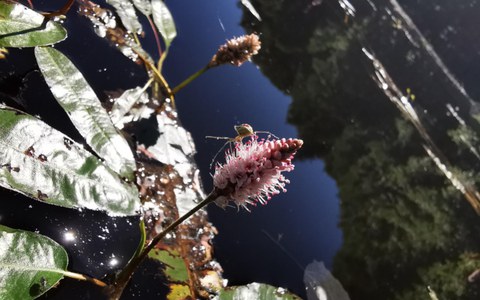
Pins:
x: 175, y: 268
x: 176, y: 272
x: 23, y: 27
x: 42, y: 163
x: 30, y: 264
x: 259, y: 291
x: 164, y: 21
x: 126, y: 12
x: 179, y: 292
x: 78, y: 99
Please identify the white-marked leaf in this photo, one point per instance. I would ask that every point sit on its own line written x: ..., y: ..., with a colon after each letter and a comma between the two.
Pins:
x: 23, y: 27
x: 164, y: 21
x: 123, y: 105
x: 85, y: 110
x: 30, y: 264
x: 127, y: 14
x: 42, y: 163
x: 258, y: 291
x: 144, y: 6
x: 174, y: 144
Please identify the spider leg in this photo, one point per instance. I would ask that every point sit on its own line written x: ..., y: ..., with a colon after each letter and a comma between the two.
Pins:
x: 269, y: 133
x: 218, y: 152
x: 218, y: 137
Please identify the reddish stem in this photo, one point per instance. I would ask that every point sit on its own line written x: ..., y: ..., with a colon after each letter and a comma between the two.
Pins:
x: 155, y: 33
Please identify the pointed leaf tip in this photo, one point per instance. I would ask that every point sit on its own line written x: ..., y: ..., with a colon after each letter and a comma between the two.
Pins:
x: 164, y: 21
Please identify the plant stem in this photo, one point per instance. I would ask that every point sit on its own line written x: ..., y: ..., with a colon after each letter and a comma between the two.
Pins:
x: 158, y: 75
x: 137, y: 41
x: 84, y: 278
x: 143, y: 238
x: 61, y: 12
x: 189, y: 79
x: 155, y: 34
x: 124, y: 277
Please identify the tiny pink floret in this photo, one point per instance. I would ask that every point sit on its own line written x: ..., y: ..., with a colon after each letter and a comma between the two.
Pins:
x: 252, y: 172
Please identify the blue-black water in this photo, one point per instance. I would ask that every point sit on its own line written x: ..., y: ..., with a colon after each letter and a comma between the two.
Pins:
x: 304, y: 220
x: 385, y: 98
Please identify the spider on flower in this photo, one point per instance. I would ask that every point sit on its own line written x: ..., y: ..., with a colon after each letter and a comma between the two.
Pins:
x: 243, y: 131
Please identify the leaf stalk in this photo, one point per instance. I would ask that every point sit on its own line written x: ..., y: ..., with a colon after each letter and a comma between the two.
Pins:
x: 124, y: 276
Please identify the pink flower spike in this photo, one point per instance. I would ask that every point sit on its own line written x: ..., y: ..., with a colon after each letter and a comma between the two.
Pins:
x: 252, y: 172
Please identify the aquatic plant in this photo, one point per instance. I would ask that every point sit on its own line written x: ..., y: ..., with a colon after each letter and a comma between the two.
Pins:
x: 253, y: 171
x: 158, y: 184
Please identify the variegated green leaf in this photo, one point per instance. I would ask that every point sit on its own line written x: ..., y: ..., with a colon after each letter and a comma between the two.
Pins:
x: 127, y: 14
x: 144, y: 6
x: 30, y: 264
x: 85, y: 110
x: 40, y: 162
x: 258, y: 291
x: 164, y: 21
x: 23, y: 27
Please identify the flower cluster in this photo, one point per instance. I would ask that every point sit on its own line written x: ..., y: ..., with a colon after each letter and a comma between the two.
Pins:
x: 253, y: 171
x: 236, y: 51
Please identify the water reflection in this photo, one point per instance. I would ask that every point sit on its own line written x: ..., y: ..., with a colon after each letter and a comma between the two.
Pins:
x: 379, y: 94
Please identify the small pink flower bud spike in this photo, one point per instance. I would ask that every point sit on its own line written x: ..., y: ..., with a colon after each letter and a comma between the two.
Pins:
x: 236, y: 51
x: 243, y: 131
x: 252, y: 172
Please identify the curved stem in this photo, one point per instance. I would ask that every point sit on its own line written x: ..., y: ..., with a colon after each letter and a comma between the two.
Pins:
x: 143, y: 238
x: 155, y: 33
x: 61, y: 12
x: 189, y: 79
x: 157, y: 74
x: 124, y: 277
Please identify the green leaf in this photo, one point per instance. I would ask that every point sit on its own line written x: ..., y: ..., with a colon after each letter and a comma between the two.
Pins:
x: 144, y: 6
x: 164, y: 21
x: 179, y: 292
x: 30, y: 264
x: 40, y: 162
x: 176, y: 272
x: 85, y: 110
x: 23, y: 27
x: 258, y: 291
x: 126, y: 12
x: 175, y: 268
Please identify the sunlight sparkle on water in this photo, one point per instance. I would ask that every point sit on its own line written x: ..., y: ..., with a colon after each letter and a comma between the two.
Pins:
x: 113, y: 261
x: 69, y: 236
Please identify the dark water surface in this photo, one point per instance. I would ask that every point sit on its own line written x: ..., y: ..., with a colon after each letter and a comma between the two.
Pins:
x: 304, y: 220
x: 385, y: 97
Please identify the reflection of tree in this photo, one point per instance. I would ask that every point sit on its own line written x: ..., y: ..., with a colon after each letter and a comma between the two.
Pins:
x: 448, y: 278
x: 404, y: 226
